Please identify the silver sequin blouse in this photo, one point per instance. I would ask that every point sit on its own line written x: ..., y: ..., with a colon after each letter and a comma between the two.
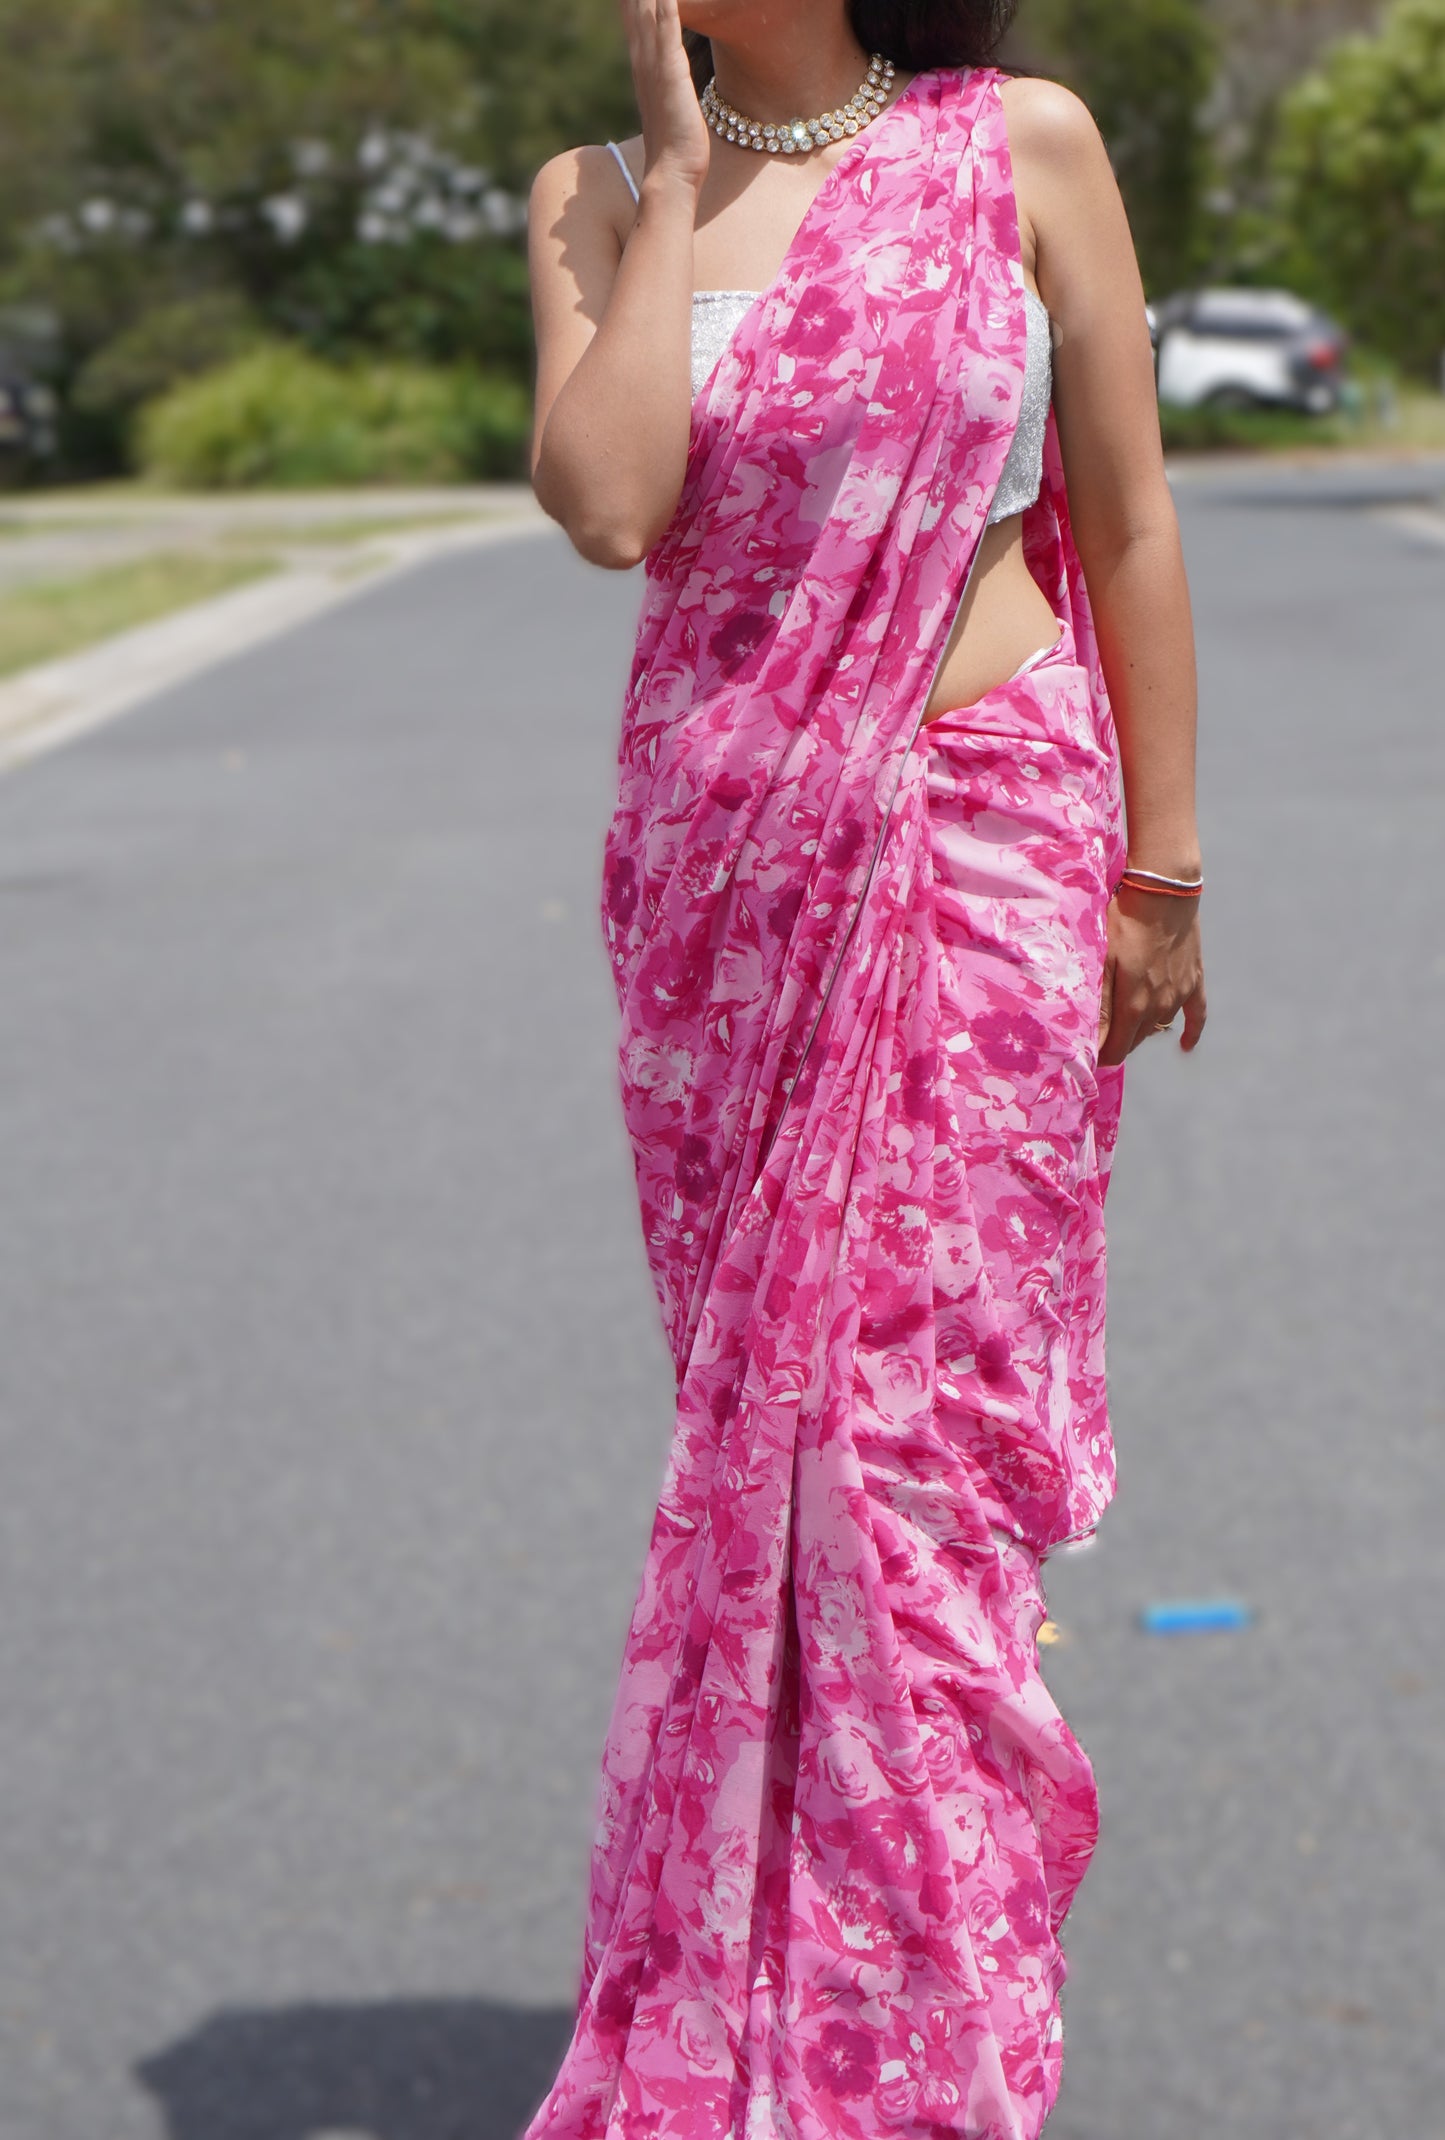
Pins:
x: 718, y: 314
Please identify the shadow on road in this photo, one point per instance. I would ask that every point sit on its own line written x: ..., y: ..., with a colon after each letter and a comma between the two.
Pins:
x: 402, y: 2069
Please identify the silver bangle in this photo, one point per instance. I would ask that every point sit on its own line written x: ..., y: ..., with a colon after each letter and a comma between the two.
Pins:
x: 1180, y: 884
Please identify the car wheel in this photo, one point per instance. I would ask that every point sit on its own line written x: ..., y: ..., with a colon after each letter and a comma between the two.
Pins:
x: 1231, y: 400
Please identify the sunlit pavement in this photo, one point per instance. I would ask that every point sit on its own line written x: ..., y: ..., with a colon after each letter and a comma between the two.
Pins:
x: 334, y: 1408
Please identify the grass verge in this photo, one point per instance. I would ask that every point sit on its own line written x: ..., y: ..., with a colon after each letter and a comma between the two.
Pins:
x: 14, y: 527
x: 59, y: 617
x: 1416, y: 421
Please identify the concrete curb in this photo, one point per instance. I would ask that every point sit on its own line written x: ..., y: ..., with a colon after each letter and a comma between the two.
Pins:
x: 44, y: 707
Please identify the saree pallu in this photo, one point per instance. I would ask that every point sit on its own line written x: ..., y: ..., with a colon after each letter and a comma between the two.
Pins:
x: 859, y: 964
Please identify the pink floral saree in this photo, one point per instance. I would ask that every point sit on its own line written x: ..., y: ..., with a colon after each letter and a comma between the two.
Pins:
x: 859, y: 964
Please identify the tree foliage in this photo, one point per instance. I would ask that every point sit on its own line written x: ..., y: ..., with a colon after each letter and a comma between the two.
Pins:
x: 1264, y: 48
x: 1145, y: 68
x: 181, y: 177
x: 1360, y: 165
x: 192, y: 118
x: 346, y: 173
x: 552, y: 73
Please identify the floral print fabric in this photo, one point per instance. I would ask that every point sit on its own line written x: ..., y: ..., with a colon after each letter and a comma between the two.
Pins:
x: 859, y: 963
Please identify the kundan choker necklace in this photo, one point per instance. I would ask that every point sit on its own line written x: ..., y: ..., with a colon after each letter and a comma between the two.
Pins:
x: 799, y: 135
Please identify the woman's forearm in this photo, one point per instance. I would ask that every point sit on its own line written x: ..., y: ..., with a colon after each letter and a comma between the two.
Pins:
x: 610, y: 460
x: 1140, y: 601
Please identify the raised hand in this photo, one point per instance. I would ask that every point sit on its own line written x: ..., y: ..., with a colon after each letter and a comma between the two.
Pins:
x: 674, y: 132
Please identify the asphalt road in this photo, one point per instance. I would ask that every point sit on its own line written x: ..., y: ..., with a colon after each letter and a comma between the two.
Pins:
x: 332, y: 1406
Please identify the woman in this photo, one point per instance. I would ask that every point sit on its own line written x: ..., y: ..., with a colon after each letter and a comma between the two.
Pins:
x: 881, y: 951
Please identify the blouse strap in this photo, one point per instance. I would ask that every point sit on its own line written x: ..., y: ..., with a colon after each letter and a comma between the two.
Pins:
x: 626, y: 173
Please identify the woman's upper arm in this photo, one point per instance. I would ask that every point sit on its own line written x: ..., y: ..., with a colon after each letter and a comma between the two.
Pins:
x: 1105, y: 396
x: 573, y: 246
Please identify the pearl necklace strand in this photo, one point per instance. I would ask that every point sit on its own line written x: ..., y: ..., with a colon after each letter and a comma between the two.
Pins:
x: 800, y: 135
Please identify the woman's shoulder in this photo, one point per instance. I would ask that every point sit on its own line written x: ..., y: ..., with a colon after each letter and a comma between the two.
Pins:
x: 590, y: 178
x: 1049, y: 124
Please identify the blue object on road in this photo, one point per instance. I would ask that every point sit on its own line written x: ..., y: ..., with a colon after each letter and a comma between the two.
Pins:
x: 1194, y: 1617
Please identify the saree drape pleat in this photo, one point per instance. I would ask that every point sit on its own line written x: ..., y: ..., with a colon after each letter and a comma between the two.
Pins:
x: 859, y: 965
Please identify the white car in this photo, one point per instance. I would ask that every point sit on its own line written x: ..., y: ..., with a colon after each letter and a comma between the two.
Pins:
x: 1240, y: 349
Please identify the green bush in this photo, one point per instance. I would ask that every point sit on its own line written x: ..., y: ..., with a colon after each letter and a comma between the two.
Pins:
x: 1360, y: 184
x: 280, y: 417
x: 494, y: 424
x: 167, y: 343
x: 1208, y: 430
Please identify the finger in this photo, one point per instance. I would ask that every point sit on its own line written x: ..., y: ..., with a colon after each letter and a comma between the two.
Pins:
x: 643, y: 14
x: 1195, y: 1013
x: 669, y: 29
x: 1106, y: 1002
x: 1126, y: 1027
x: 632, y: 23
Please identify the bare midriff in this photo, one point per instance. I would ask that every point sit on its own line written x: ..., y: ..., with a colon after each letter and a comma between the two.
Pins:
x: 1004, y: 619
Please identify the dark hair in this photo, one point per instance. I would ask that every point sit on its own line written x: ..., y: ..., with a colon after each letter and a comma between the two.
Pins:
x: 914, y: 34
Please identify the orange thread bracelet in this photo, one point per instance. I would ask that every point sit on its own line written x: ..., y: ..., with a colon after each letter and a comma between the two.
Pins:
x: 1142, y: 883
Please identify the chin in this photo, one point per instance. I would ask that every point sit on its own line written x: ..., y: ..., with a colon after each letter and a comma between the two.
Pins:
x: 711, y: 18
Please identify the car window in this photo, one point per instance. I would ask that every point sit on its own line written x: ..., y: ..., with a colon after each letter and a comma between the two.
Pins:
x: 1243, y: 327
x: 1260, y: 320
